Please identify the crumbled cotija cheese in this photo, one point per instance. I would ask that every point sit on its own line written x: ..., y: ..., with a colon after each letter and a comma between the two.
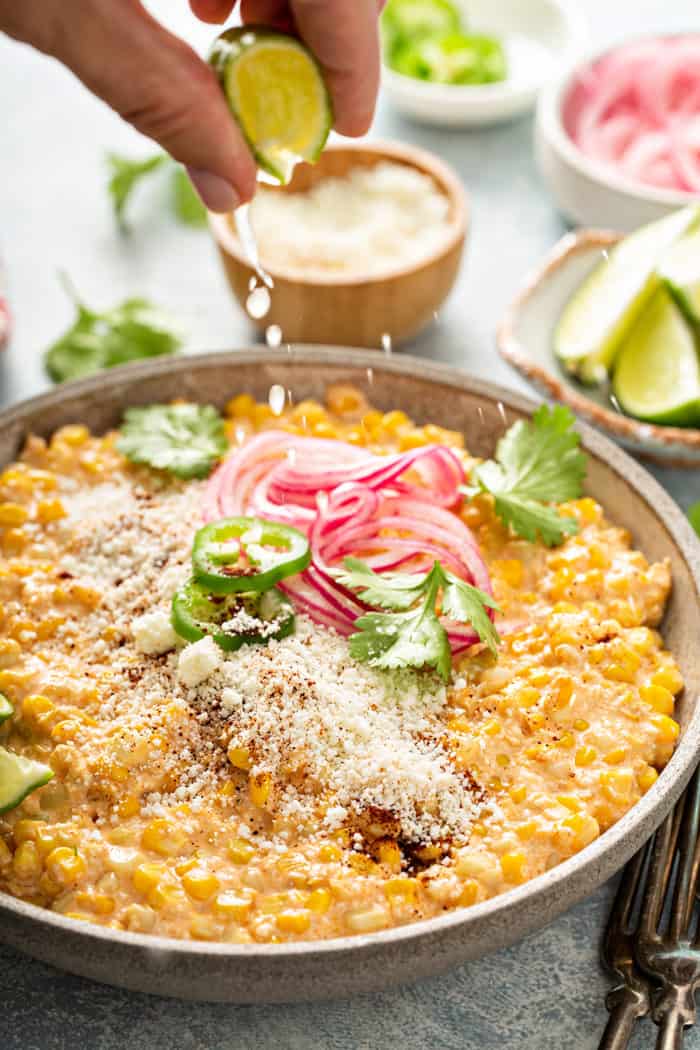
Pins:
x: 153, y: 633
x: 371, y: 220
x: 198, y: 661
x: 363, y: 739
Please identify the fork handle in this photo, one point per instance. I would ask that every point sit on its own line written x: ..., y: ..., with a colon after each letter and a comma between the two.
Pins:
x: 671, y: 1031
x: 618, y: 1030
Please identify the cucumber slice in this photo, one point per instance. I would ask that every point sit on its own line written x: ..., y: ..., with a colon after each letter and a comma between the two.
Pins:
x: 600, y: 314
x: 19, y: 776
x: 657, y: 377
x: 680, y: 272
x: 275, y: 89
x: 6, y: 708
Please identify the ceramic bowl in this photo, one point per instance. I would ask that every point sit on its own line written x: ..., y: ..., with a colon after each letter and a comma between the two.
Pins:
x: 357, y: 309
x: 345, y: 966
x: 538, y: 36
x: 525, y: 339
x: 586, y: 191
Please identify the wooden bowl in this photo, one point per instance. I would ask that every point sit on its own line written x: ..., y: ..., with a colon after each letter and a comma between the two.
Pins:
x: 354, y: 310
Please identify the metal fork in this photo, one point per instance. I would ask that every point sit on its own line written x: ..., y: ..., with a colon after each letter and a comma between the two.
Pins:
x: 649, y: 943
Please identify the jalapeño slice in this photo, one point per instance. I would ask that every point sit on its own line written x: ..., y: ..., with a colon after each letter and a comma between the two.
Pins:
x: 247, y: 554
x: 232, y: 620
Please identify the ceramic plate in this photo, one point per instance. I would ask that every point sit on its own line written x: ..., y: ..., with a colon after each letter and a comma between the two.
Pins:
x: 525, y: 339
x: 346, y: 966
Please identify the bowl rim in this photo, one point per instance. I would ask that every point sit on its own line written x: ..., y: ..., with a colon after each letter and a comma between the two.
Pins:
x: 599, y: 860
x: 575, y: 26
x: 550, y: 121
x: 447, y: 180
x: 512, y: 350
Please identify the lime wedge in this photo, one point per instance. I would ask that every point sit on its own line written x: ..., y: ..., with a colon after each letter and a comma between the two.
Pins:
x: 602, y: 310
x: 6, y: 708
x: 680, y: 272
x: 276, y: 92
x: 657, y: 376
x: 18, y: 777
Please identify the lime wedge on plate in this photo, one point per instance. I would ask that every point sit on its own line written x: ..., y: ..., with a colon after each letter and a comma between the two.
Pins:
x: 657, y: 376
x: 601, y: 312
x: 18, y: 777
x: 680, y: 272
x: 276, y: 92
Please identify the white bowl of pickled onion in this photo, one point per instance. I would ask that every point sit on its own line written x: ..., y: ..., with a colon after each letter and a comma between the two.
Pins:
x: 617, y: 136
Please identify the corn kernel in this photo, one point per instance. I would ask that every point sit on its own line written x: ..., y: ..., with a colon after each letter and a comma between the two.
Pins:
x: 319, y: 900
x: 617, y: 784
x: 163, y: 895
x: 584, y: 827
x: 129, y: 807
x: 403, y: 888
x: 241, y: 407
x: 658, y: 697
x: 512, y: 866
x: 342, y: 399
x: 26, y: 830
x: 527, y: 697
x: 99, y: 903
x: 233, y: 905
x: 567, y: 741
x: 564, y: 690
x: 163, y: 837
x: 614, y: 757
x: 647, y: 778
x: 329, y: 853
x: 510, y: 570
x: 13, y: 514
x: 469, y: 894
x: 26, y: 863
x: 518, y: 794
x: 50, y: 510
x: 616, y: 672
x: 585, y: 755
x: 65, y: 865
x: 368, y: 920
x: 146, y: 876
x: 5, y: 854
x: 200, y: 884
x: 240, y: 851
x: 668, y: 678
x: 389, y: 853
x: 294, y: 920
x: 259, y: 787
x: 74, y: 435
x: 526, y: 831
x: 569, y: 802
x: 239, y: 757
x: 493, y: 727
x: 667, y: 729
x: 202, y: 928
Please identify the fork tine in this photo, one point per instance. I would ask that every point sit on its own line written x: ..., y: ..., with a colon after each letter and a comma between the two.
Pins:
x: 618, y: 919
x: 659, y: 872
x: 686, y: 879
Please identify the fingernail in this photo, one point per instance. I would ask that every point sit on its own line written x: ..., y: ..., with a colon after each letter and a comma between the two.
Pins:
x: 217, y: 194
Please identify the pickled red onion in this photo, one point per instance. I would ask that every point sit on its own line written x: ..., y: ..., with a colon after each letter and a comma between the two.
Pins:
x: 637, y: 108
x: 390, y: 510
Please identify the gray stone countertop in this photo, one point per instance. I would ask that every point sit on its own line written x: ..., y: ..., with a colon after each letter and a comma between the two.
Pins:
x: 545, y: 993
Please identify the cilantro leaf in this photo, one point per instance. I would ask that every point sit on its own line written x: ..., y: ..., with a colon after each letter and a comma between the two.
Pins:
x: 125, y: 174
x: 184, y: 439
x: 407, y: 639
x: 389, y: 591
x: 187, y: 206
x: 467, y: 604
x: 414, y: 636
x: 537, y: 463
x: 129, y: 332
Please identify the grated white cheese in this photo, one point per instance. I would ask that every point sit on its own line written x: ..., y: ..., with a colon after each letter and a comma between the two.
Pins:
x: 198, y: 661
x: 153, y: 633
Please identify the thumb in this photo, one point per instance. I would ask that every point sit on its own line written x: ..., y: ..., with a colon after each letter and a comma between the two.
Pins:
x: 160, y: 86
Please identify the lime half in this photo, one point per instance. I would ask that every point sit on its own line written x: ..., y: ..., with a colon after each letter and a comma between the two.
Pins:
x: 276, y: 92
x: 18, y: 777
x: 657, y: 377
x: 602, y: 310
x: 680, y: 271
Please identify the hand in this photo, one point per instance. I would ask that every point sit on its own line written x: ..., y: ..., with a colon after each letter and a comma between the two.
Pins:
x: 158, y: 84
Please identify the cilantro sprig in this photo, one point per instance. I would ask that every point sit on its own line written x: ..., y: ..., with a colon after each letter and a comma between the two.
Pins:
x: 412, y: 635
x: 184, y: 439
x: 694, y: 516
x: 131, y: 331
x: 127, y: 174
x: 537, y: 463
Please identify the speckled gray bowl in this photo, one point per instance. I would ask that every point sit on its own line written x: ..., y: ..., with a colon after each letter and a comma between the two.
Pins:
x: 345, y: 966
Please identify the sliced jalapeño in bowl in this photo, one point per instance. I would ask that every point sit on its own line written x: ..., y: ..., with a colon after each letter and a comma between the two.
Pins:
x: 232, y: 620
x: 238, y: 555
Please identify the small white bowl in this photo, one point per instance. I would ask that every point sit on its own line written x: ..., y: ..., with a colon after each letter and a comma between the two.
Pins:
x: 525, y: 338
x: 539, y: 36
x: 588, y: 192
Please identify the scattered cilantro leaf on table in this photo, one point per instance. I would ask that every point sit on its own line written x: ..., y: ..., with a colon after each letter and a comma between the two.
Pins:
x: 538, y: 462
x: 694, y: 516
x: 125, y: 175
x: 184, y: 439
x: 187, y: 206
x: 129, y: 332
x: 412, y: 635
